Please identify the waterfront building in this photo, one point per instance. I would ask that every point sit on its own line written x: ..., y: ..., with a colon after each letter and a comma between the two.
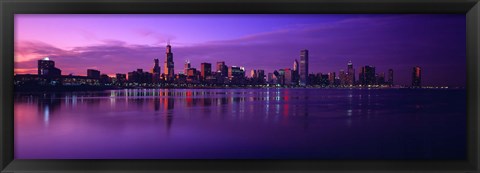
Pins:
x: 253, y: 74
x: 271, y: 78
x: 324, y: 81
x: 222, y: 68
x: 186, y: 67
x: 343, y: 78
x: 380, y: 78
x: 139, y: 76
x: 288, y: 73
x: 91, y: 73
x: 206, y: 70
x: 71, y: 80
x: 235, y: 72
x: 390, y: 77
x: 105, y: 79
x: 303, y: 68
x: 367, y: 75
x: 261, y: 76
x: 295, y: 72
x: 120, y: 78
x: 169, y: 64
x: 417, y: 77
x: 331, y: 78
x: 192, y: 75
x: 46, y: 68
x: 350, y: 79
x: 156, y: 71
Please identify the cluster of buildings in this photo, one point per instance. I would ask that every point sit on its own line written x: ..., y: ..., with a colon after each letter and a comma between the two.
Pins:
x: 221, y: 75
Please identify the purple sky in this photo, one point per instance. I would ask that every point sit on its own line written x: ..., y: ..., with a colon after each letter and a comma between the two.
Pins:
x: 123, y: 43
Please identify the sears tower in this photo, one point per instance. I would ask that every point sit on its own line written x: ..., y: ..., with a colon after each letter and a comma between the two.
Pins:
x: 169, y: 72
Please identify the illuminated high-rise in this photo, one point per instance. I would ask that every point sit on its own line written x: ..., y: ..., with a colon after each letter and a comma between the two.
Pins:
x: 303, y: 67
x: 350, y: 76
x: 253, y: 73
x: 187, y: 66
x: 295, y: 76
x: 169, y: 65
x: 417, y: 77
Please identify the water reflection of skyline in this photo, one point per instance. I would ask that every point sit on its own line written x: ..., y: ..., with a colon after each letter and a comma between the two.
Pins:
x: 273, y: 104
x: 173, y: 118
x: 230, y: 105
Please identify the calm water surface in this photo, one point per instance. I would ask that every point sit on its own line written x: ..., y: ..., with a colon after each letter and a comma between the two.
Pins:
x: 242, y: 124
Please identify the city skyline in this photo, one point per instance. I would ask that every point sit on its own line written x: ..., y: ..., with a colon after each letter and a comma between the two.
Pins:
x: 434, y: 51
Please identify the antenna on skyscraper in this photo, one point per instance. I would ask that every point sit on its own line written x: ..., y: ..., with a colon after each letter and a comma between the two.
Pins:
x: 168, y: 42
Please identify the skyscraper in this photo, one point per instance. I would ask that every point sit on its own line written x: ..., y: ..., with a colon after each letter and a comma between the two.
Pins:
x: 169, y: 71
x: 288, y: 77
x: 253, y: 73
x: 380, y: 78
x: 261, y: 76
x: 331, y: 78
x: 350, y: 74
x: 46, y: 68
x: 417, y: 77
x: 303, y: 68
x: 367, y: 75
x: 390, y: 76
x: 206, y: 70
x: 156, y: 71
x: 187, y: 66
x: 343, y: 77
x: 295, y: 72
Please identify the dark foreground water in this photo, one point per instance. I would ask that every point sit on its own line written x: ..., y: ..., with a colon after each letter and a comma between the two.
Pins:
x: 242, y: 124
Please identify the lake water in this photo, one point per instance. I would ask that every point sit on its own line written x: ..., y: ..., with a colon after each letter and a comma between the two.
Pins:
x: 242, y: 124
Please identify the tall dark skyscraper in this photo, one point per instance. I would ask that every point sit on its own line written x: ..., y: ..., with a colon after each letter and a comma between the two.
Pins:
x: 367, y: 75
x: 303, y: 68
x: 169, y: 71
x: 417, y: 77
x: 350, y: 76
x: 156, y: 71
x: 91, y: 73
x: 390, y: 77
x: 261, y: 75
x: 46, y: 68
x: 206, y: 70
x: 187, y: 66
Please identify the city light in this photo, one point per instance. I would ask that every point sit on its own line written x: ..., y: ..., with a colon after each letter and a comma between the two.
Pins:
x: 223, y: 76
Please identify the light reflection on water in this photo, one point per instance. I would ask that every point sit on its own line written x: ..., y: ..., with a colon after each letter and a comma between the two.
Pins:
x: 241, y: 123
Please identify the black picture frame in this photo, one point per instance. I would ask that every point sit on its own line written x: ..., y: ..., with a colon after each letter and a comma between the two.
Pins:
x: 8, y: 8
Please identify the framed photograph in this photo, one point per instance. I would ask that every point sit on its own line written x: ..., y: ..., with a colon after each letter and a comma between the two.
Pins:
x: 317, y: 85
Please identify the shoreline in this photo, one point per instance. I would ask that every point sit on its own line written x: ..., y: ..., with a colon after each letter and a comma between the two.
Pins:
x: 52, y: 89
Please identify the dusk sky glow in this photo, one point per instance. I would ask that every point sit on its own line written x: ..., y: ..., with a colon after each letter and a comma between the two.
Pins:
x: 122, y: 43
